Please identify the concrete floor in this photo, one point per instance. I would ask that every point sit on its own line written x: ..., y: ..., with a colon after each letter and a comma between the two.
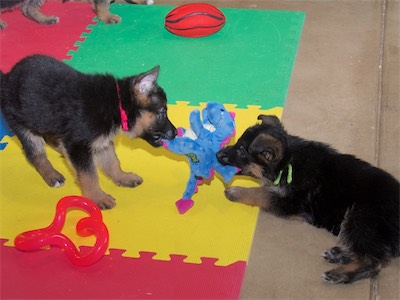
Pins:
x: 344, y: 91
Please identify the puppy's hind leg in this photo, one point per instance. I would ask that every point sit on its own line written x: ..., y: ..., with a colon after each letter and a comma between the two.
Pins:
x: 353, y: 271
x: 31, y: 10
x: 33, y: 146
x: 109, y: 163
x: 336, y: 255
x: 361, y: 240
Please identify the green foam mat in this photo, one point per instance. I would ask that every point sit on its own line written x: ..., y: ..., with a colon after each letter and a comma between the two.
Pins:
x: 248, y: 62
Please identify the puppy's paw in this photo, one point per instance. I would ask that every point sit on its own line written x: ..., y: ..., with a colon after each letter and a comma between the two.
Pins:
x: 335, y: 276
x: 148, y: 2
x: 2, y: 24
x: 128, y: 180
x: 50, y: 20
x: 55, y: 179
x: 336, y: 255
x: 41, y: 18
x: 110, y: 19
x: 105, y: 201
x: 234, y: 193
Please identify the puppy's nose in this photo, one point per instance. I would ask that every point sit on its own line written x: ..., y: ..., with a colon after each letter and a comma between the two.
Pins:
x: 222, y: 157
x: 171, y: 133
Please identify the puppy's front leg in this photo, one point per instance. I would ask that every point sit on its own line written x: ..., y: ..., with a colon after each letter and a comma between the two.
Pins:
x: 109, y: 163
x: 31, y: 9
x: 255, y: 196
x: 102, y: 9
x: 149, y: 2
x: 2, y: 24
x: 81, y: 159
x: 89, y: 183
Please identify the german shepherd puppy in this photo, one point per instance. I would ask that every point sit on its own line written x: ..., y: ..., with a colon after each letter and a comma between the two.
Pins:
x: 310, y: 180
x: 46, y: 101
x: 31, y: 9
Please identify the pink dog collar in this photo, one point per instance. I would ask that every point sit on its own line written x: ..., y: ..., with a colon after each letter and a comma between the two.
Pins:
x: 122, y: 112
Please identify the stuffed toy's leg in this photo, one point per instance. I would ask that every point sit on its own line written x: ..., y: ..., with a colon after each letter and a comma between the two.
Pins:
x: 180, y: 145
x: 194, y: 154
x: 199, y: 168
x: 195, y: 122
x: 186, y: 202
x: 227, y: 172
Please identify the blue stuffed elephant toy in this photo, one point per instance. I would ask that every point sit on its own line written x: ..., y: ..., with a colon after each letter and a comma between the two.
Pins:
x: 207, y: 134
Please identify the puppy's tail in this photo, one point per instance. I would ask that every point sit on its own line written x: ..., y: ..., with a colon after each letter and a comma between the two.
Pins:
x: 3, y: 79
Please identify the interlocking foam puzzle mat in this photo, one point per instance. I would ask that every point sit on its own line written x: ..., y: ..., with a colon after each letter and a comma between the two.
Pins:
x: 154, y: 251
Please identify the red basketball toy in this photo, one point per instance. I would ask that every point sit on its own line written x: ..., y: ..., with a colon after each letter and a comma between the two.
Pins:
x: 194, y: 20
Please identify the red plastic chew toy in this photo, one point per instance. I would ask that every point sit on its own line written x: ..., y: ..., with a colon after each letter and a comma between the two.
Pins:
x: 194, y: 20
x: 52, y: 236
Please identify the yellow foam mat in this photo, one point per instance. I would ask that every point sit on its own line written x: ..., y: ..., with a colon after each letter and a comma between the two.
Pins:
x: 145, y: 218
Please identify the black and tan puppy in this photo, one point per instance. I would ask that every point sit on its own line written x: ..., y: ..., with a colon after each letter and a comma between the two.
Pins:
x: 31, y: 9
x: 310, y: 180
x: 45, y: 101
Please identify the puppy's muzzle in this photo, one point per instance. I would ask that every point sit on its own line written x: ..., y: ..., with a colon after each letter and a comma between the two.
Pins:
x: 222, y: 156
x: 170, y: 133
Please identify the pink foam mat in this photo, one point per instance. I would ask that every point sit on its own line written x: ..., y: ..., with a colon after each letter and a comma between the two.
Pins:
x: 48, y: 274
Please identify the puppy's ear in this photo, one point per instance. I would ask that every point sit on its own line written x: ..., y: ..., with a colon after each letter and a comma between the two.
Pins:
x: 145, y: 82
x: 267, y: 148
x: 270, y: 120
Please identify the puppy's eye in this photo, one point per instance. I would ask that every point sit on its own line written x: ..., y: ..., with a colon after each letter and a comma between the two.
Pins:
x: 242, y: 152
x: 267, y: 155
x: 161, y: 115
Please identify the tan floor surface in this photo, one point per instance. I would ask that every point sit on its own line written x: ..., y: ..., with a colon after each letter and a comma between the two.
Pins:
x: 345, y: 92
